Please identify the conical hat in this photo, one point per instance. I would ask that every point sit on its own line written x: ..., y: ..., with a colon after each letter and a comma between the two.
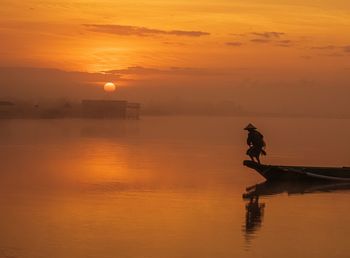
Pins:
x: 250, y: 127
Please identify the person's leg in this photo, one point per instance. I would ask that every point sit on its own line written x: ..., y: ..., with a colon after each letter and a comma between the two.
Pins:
x: 258, y: 159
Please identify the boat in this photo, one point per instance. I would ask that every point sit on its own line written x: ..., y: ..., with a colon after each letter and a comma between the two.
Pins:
x: 299, y: 173
x: 270, y: 188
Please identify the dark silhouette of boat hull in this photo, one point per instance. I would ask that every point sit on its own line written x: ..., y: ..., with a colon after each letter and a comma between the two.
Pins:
x: 299, y: 173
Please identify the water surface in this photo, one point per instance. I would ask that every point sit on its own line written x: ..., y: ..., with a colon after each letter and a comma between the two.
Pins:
x: 165, y: 187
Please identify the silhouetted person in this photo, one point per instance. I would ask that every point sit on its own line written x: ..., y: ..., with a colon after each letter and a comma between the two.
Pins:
x: 255, y: 142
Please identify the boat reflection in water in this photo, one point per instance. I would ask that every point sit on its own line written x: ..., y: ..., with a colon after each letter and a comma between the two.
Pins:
x: 255, y: 209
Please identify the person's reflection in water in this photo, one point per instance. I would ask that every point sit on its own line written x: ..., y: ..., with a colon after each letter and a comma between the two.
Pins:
x: 254, y: 216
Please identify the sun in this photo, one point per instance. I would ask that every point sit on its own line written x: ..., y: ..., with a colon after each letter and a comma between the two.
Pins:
x: 109, y: 87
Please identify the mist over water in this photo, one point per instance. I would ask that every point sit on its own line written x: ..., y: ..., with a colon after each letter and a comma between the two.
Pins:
x: 165, y: 187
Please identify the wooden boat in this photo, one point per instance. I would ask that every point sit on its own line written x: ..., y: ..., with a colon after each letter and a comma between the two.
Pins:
x: 269, y: 188
x: 297, y: 173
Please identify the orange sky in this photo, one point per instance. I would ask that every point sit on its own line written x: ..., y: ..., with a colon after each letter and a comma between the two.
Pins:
x: 235, y: 43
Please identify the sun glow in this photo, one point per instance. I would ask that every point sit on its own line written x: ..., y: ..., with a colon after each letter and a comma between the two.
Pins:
x: 109, y: 87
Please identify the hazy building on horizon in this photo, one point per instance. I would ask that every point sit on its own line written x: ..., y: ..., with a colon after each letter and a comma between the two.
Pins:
x: 6, y: 109
x: 110, y: 109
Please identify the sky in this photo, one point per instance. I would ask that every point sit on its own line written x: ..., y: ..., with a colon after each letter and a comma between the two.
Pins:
x: 272, y: 55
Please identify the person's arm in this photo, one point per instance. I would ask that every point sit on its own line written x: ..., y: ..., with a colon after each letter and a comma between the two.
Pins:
x: 249, y: 139
x: 262, y: 140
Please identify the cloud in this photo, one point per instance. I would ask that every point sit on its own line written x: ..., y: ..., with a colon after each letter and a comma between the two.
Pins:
x: 334, y: 55
x: 260, y: 40
x: 238, y: 34
x: 234, y: 44
x: 346, y: 48
x: 268, y: 34
x: 329, y: 47
x: 265, y: 34
x: 272, y: 37
x: 126, y: 30
x: 139, y: 70
x: 174, y: 43
x: 284, y: 43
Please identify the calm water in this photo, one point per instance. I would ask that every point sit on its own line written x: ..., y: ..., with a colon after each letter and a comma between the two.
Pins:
x: 165, y: 187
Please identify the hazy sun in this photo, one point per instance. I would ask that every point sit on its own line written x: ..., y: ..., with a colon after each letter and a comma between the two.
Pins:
x: 109, y: 87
